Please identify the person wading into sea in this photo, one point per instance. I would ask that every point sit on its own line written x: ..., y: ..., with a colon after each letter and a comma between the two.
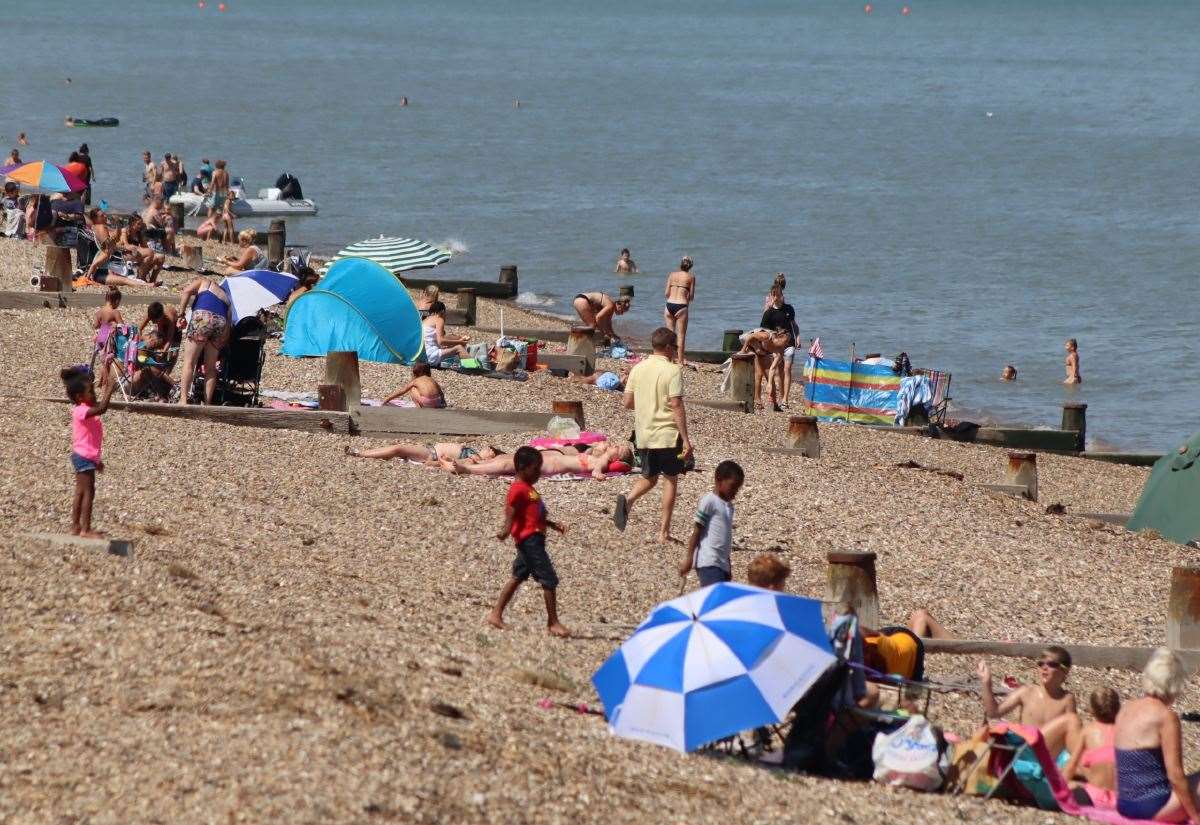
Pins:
x: 680, y: 292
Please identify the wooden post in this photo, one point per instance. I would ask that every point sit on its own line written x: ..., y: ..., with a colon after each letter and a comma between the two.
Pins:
x: 582, y: 341
x: 276, y: 240
x: 1022, y: 472
x: 466, y: 302
x: 508, y: 275
x: 341, y: 368
x: 1183, y: 609
x: 178, y: 214
x: 1075, y: 418
x: 803, y: 435
x: 741, y: 378
x: 58, y: 263
x: 331, y: 397
x: 193, y: 256
x: 731, y: 342
x: 47, y: 283
x: 850, y: 578
x: 569, y: 409
x: 625, y: 289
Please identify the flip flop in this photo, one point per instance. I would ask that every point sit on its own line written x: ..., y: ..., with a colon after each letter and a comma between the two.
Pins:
x: 621, y: 513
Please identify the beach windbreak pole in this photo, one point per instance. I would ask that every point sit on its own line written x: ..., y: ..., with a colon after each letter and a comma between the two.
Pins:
x: 395, y: 254
x: 714, y: 662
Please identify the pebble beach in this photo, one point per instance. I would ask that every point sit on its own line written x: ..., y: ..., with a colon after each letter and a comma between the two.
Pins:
x: 299, y: 636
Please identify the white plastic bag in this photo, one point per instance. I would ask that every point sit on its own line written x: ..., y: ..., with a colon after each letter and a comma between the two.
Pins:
x: 563, y: 427
x: 910, y: 756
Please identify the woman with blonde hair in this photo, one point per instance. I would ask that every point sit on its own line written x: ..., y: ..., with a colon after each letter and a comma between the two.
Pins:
x: 249, y: 255
x: 1148, y: 743
x: 429, y: 296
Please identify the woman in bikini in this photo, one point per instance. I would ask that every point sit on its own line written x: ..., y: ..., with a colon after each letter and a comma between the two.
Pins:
x: 680, y: 292
x: 1093, y: 760
x: 596, y: 310
x: 431, y: 455
x: 1072, y: 362
x: 423, y: 390
x: 593, y: 460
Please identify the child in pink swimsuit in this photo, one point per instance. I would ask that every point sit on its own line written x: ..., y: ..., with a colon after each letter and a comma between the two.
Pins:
x: 87, y: 437
x: 423, y: 390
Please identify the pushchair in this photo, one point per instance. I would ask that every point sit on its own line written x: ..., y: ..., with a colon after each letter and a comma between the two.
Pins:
x: 239, y: 367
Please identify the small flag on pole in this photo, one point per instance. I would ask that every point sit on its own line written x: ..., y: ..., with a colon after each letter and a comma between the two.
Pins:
x: 815, y: 350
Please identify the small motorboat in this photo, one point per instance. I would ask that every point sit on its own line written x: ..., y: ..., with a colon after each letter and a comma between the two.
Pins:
x: 73, y: 122
x: 267, y: 205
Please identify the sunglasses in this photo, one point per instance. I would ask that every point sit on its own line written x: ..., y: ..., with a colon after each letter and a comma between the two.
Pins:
x: 1050, y: 663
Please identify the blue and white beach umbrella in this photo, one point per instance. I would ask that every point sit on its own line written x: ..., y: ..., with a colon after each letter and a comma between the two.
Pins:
x: 257, y: 289
x: 711, y: 663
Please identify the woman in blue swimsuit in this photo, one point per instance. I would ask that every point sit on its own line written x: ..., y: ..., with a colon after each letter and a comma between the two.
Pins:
x: 207, y: 332
x: 1151, y: 783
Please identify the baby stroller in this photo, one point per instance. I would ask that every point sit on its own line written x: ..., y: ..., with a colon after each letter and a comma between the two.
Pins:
x: 239, y: 367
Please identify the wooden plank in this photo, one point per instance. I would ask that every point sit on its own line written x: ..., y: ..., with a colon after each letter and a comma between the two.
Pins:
x: 1132, y: 459
x: 483, y: 289
x: 1120, y: 658
x: 1021, y: 438
x: 1015, y: 490
x: 728, y: 406
x: 78, y: 300
x: 576, y: 364
x: 115, y: 547
x: 1119, y: 519
x: 558, y: 335
x: 701, y: 356
x: 312, y: 421
x: 385, y: 421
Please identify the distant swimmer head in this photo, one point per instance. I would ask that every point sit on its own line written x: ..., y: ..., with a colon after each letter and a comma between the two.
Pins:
x: 1009, y: 374
x: 686, y: 263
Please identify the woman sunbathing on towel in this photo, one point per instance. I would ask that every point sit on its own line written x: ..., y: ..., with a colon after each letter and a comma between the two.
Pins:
x: 596, y: 461
x: 430, y: 454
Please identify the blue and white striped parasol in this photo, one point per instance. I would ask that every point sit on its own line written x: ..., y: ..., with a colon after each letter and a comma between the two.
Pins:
x: 396, y: 254
x: 712, y: 663
x: 256, y: 289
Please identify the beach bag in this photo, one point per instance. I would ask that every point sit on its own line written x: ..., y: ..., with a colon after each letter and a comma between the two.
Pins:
x: 912, y: 756
x: 506, y: 360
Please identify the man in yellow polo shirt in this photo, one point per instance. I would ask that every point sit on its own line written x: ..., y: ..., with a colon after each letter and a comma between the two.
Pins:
x: 654, y: 391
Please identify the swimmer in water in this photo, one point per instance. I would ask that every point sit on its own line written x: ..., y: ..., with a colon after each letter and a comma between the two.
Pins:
x: 680, y: 292
x: 625, y: 264
x: 1072, y: 363
x: 22, y: 140
x: 1009, y: 374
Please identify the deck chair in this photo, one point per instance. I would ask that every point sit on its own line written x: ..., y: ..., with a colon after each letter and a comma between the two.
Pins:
x: 939, y: 386
x: 86, y: 250
x: 113, y: 350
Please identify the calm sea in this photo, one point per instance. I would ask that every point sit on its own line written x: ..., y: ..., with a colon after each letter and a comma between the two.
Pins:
x: 971, y: 183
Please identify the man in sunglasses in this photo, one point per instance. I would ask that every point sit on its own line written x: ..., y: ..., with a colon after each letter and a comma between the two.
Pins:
x: 1047, y: 705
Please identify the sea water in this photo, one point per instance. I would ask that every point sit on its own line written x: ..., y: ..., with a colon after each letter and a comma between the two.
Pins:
x: 972, y: 182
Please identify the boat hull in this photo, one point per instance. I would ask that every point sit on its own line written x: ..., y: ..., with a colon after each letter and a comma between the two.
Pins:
x: 250, y: 207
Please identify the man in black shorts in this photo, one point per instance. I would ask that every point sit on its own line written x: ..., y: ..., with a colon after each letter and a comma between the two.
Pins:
x: 654, y: 391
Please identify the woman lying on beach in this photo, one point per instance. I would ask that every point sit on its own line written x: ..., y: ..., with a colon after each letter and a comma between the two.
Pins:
x: 603, y: 380
x: 597, y: 309
x: 597, y: 460
x: 430, y: 454
x: 422, y: 389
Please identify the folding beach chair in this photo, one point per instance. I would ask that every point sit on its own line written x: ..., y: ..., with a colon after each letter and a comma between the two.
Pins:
x: 939, y: 386
x: 114, y: 347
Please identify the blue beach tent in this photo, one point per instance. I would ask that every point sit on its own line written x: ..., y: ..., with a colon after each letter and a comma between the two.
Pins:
x: 357, y: 307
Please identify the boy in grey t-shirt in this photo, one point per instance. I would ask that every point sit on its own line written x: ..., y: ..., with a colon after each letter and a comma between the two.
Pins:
x: 712, y: 535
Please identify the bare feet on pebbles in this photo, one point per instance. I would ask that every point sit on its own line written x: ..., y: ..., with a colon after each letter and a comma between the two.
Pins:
x: 558, y: 630
x: 496, y: 622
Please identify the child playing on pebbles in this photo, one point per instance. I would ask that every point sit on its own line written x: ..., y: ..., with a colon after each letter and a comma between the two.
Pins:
x: 712, y: 534
x: 423, y: 390
x: 87, y: 436
x: 525, y: 520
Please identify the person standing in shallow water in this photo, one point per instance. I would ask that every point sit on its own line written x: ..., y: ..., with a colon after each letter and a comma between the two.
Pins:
x: 1072, y: 363
x: 625, y: 264
x: 680, y: 292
